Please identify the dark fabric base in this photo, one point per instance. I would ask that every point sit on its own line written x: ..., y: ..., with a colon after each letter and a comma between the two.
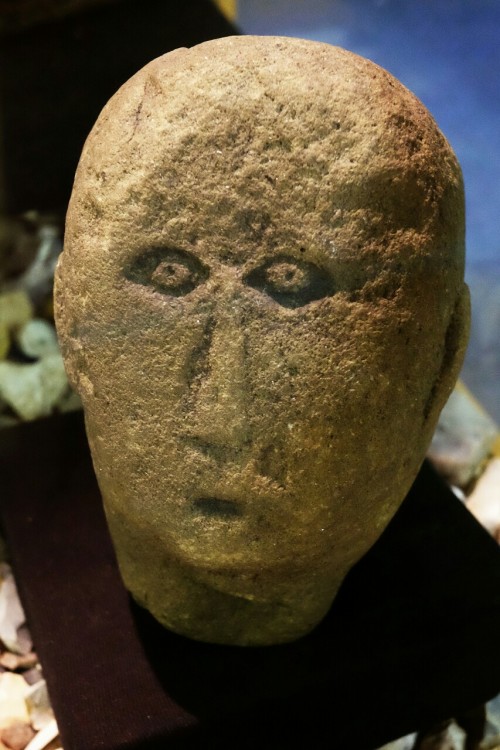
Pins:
x: 411, y: 638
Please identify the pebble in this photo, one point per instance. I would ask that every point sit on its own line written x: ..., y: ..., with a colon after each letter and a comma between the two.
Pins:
x: 464, y: 438
x: 32, y: 390
x: 484, y: 501
x: 17, y: 736
x: 11, y: 610
x: 38, y: 704
x: 13, y: 662
x: 37, y: 280
x: 37, y: 338
x: 32, y: 676
x: 24, y: 642
x: 403, y: 743
x: 4, y: 341
x: 13, y: 707
x: 15, y: 308
x: 492, y: 743
x: 44, y: 737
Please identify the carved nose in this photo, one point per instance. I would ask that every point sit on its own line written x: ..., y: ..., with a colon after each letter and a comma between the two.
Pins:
x: 219, y: 408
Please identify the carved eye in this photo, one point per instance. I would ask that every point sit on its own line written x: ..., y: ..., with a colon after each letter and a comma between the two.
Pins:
x: 168, y: 271
x: 290, y: 282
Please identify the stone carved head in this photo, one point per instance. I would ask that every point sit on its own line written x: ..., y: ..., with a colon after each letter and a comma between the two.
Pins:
x: 261, y: 304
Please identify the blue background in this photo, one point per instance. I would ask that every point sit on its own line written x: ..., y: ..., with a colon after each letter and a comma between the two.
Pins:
x: 448, y: 53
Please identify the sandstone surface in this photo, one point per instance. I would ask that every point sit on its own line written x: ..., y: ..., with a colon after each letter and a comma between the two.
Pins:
x: 261, y: 304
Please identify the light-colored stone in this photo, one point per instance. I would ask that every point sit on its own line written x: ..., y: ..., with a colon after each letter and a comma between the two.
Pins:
x: 17, y: 735
x: 12, y: 704
x: 403, y: 743
x: 452, y: 738
x: 4, y: 340
x: 11, y: 610
x: 12, y: 661
x: 37, y: 280
x: 38, y: 703
x: 464, y: 438
x: 32, y: 390
x: 37, y: 338
x: 261, y: 304
x: 493, y: 717
x: 490, y: 743
x: 15, y: 309
x: 44, y: 737
x: 484, y: 500
x: 24, y: 643
x: 32, y: 676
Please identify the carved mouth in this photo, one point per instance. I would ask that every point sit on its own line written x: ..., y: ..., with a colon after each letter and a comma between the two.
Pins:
x: 215, y: 507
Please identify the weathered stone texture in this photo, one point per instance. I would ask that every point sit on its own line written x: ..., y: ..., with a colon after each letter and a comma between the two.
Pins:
x: 261, y: 304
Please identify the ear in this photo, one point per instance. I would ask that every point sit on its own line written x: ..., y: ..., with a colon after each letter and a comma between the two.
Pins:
x: 457, y: 336
x: 73, y: 354
x: 72, y: 349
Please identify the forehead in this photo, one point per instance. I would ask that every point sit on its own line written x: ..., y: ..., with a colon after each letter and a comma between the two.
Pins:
x: 199, y: 202
x: 260, y: 146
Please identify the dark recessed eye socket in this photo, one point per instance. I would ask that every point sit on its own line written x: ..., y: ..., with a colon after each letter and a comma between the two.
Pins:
x: 168, y: 271
x: 291, y: 282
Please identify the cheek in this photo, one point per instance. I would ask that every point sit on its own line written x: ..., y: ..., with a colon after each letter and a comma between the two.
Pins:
x: 309, y: 370
x: 336, y: 395
x: 312, y: 385
x: 306, y: 379
x: 301, y: 377
x: 133, y: 386
x: 137, y: 358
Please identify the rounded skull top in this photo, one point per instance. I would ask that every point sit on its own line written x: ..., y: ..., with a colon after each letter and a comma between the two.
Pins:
x: 261, y: 303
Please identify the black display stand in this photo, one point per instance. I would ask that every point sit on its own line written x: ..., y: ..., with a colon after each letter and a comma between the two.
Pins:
x: 412, y: 637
